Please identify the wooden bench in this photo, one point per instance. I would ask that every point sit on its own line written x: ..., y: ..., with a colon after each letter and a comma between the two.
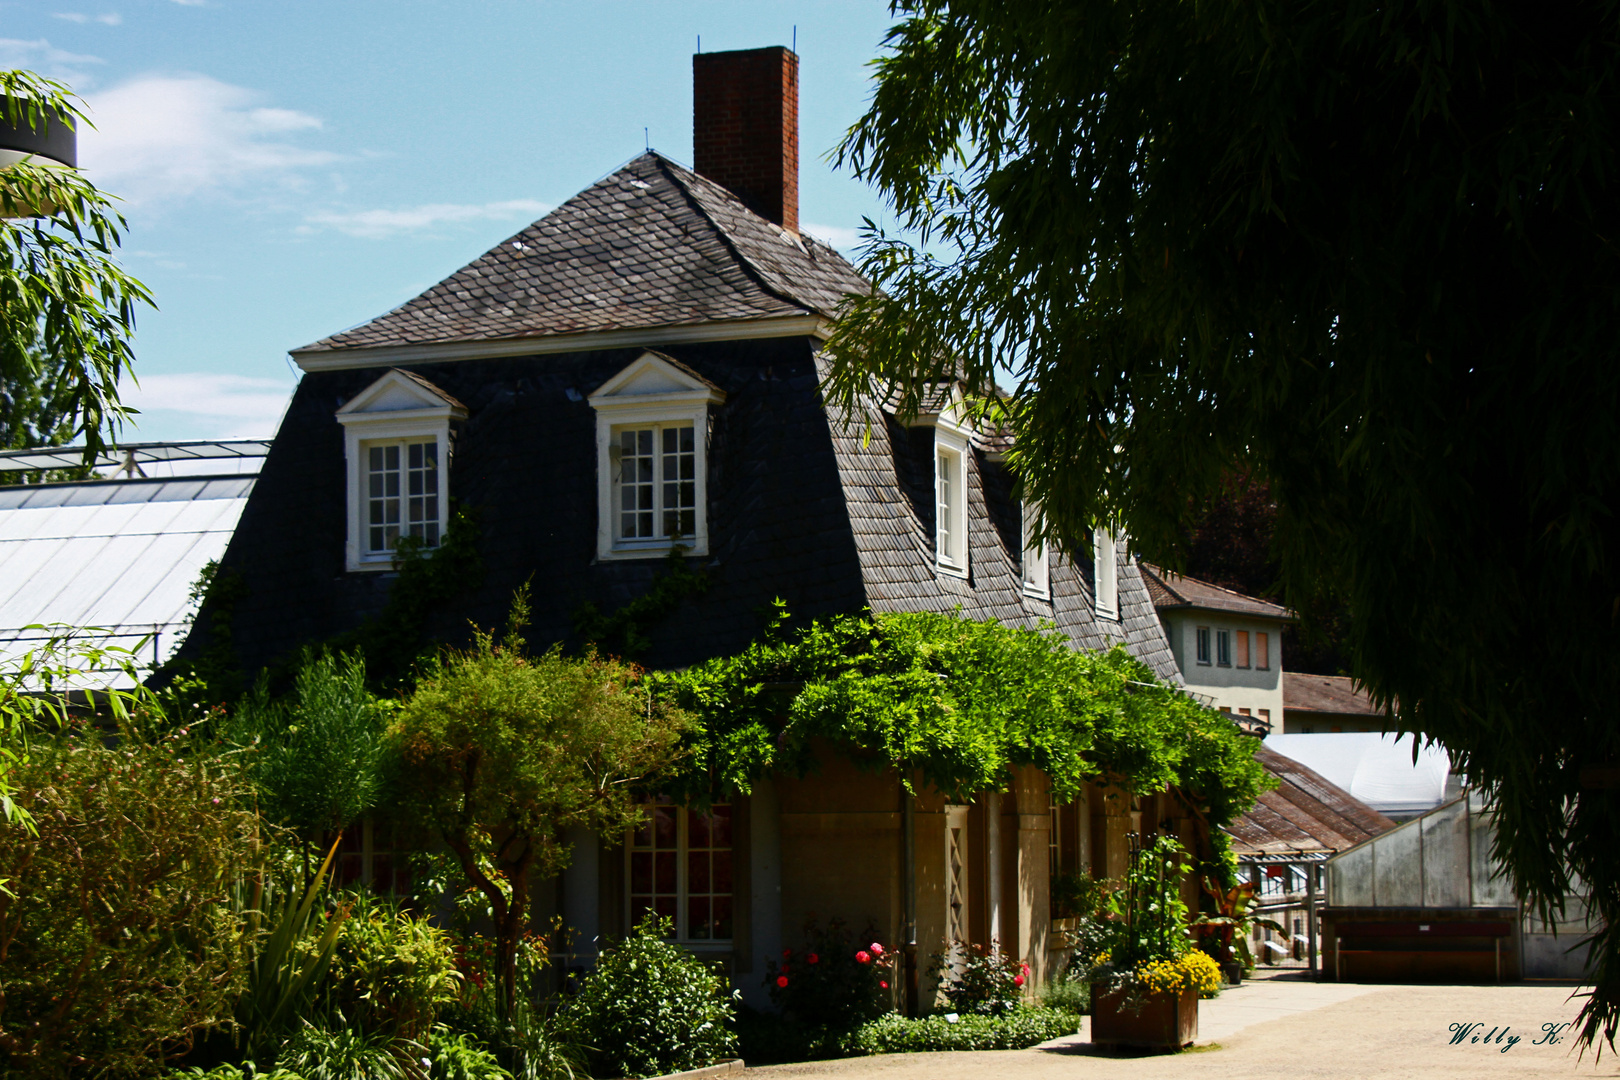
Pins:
x: 1413, y: 939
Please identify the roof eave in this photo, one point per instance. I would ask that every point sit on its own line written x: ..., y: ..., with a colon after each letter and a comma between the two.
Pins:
x: 312, y: 359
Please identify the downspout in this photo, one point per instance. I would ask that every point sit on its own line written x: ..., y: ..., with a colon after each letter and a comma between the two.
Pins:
x: 908, y: 828
x: 992, y: 859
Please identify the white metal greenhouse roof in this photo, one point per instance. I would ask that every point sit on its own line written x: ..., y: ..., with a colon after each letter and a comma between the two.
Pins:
x: 121, y: 555
x: 1375, y: 768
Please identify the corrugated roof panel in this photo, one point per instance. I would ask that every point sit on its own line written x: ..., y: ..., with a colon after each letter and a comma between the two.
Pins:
x: 148, y: 594
x: 53, y: 565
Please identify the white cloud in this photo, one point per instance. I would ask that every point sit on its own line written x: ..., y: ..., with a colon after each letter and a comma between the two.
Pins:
x: 381, y: 224
x: 112, y: 18
x: 220, y: 404
x: 41, y: 56
x: 839, y: 236
x: 191, y: 3
x: 160, y: 138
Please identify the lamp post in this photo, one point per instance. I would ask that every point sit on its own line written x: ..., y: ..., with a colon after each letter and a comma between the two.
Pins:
x: 30, y: 131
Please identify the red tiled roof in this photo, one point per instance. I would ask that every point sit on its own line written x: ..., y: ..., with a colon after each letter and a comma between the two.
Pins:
x: 1306, y: 812
x: 1326, y: 694
x: 1171, y: 591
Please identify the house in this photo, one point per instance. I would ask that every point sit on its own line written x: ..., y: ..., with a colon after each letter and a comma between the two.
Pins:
x: 1327, y: 703
x: 637, y: 372
x: 1228, y: 647
x: 120, y: 553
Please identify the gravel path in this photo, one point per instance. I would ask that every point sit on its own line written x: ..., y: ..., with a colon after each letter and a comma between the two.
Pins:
x: 1293, y: 1030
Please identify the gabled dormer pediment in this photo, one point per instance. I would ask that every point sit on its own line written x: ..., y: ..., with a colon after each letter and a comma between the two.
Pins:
x: 655, y: 379
x: 397, y: 394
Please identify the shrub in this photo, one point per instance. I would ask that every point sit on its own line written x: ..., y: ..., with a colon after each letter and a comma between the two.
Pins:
x: 1014, y: 1030
x: 981, y: 980
x: 117, y: 932
x: 456, y: 1056
x: 836, y: 980
x: 1067, y: 994
x: 651, y: 1007
x: 344, y: 1053
x: 392, y: 971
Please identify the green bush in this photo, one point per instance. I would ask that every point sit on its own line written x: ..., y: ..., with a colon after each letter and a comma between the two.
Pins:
x: 117, y: 932
x: 1015, y: 1030
x: 457, y: 1056
x: 980, y: 979
x: 231, y: 1072
x: 345, y: 1053
x: 836, y: 980
x: 1067, y: 995
x: 392, y: 972
x: 651, y: 1007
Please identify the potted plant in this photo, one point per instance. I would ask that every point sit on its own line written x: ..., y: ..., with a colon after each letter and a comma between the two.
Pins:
x: 1146, y: 975
x: 1225, y: 934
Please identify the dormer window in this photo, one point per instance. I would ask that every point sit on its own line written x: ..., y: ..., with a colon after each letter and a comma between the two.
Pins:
x: 1107, y: 577
x: 397, y: 451
x: 652, y: 429
x: 1036, y: 570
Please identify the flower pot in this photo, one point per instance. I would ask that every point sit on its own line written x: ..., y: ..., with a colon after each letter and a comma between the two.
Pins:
x: 1233, y: 972
x: 1166, y: 1021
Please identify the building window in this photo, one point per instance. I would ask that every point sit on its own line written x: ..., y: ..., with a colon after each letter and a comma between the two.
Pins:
x: 402, y: 494
x: 1262, y: 652
x: 1223, y: 648
x: 369, y: 857
x: 1243, y: 648
x: 1037, y: 578
x: 652, y: 434
x: 397, y: 445
x: 1265, y: 716
x: 655, y: 478
x: 950, y: 501
x: 1107, y: 578
x: 680, y: 867
x: 1202, y: 634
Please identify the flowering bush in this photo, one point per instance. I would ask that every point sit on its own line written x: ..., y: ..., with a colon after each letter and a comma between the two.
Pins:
x: 1195, y: 970
x: 836, y: 980
x: 981, y: 979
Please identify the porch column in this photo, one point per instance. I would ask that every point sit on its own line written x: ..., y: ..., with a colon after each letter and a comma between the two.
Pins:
x: 1034, y: 906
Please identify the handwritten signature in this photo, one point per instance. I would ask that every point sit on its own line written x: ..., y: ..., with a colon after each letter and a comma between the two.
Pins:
x: 1501, y: 1035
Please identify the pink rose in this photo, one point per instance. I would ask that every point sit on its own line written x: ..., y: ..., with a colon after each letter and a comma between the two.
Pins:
x: 884, y: 985
x: 877, y: 950
x: 864, y: 957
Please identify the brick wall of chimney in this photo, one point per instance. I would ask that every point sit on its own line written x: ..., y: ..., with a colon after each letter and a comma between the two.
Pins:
x: 745, y: 128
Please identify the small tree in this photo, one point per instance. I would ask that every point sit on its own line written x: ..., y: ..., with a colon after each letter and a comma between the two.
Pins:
x: 500, y: 751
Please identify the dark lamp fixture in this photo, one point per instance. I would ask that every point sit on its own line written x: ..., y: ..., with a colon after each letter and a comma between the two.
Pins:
x: 50, y: 139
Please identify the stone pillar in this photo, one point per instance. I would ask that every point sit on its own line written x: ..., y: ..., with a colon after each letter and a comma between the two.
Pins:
x: 1034, y: 904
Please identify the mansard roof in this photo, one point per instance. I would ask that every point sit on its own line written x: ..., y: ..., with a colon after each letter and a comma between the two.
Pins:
x: 652, y: 245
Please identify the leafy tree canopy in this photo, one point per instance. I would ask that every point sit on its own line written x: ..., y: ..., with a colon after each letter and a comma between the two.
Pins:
x: 1362, y: 251
x: 67, y: 309
x: 958, y: 701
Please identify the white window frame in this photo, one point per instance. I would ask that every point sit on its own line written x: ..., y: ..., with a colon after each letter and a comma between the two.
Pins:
x: 1105, y: 562
x: 683, y: 822
x: 951, y: 452
x: 1035, y: 570
x: 396, y: 409
x: 653, y: 391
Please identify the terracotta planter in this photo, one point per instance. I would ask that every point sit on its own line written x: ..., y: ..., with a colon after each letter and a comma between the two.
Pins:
x: 1165, y: 1021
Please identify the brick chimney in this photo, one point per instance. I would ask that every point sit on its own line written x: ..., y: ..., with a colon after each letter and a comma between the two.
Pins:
x: 745, y: 128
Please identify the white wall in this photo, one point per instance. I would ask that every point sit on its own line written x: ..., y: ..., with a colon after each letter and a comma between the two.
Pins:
x: 1233, y: 687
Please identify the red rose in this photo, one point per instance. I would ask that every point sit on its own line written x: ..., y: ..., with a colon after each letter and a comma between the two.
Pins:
x: 812, y: 958
x: 1018, y: 980
x: 864, y: 957
x: 781, y: 980
x: 787, y: 954
x: 885, y: 985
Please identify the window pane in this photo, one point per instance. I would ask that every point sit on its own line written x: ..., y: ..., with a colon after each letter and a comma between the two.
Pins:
x: 678, y: 464
x: 641, y: 872
x: 664, y: 826
x: 722, y: 871
x: 943, y: 481
x: 664, y: 871
x: 1203, y: 644
x: 697, y: 872
x: 722, y: 918
x: 720, y: 823
x: 636, y: 484
x: 697, y: 918
x: 697, y: 830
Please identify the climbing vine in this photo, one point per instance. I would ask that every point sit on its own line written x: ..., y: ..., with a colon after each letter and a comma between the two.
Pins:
x: 625, y: 631
x: 958, y: 701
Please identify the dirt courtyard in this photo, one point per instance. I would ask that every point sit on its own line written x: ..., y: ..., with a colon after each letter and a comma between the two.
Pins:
x: 1293, y: 1030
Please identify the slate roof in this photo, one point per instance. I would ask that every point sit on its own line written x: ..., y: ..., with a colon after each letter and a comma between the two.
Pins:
x: 1326, y: 694
x: 1304, y: 813
x: 1176, y: 591
x: 651, y: 245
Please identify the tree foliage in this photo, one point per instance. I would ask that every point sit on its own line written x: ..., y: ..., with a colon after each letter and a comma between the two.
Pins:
x: 67, y: 309
x: 117, y: 938
x: 958, y: 702
x: 501, y: 752
x: 1362, y: 251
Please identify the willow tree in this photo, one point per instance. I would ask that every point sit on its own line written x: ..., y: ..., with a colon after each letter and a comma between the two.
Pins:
x: 67, y: 308
x: 1362, y: 251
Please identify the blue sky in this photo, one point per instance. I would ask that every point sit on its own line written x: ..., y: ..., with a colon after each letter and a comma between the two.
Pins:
x: 290, y: 169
